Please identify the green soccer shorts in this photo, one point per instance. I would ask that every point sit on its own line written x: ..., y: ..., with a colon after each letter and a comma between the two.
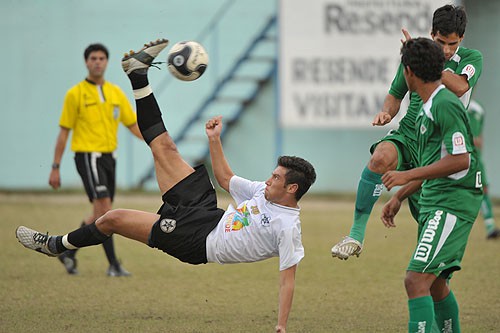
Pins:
x: 407, y: 149
x: 442, y: 238
x: 407, y: 157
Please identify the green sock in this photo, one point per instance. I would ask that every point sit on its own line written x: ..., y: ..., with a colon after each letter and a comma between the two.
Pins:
x: 369, y: 190
x: 421, y: 314
x: 487, y: 212
x: 446, y: 312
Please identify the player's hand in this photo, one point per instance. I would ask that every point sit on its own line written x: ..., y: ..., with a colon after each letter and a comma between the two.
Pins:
x: 381, y: 119
x: 406, y: 34
x: 55, y: 179
x: 389, y: 211
x: 395, y: 178
x: 280, y: 329
x: 213, y: 127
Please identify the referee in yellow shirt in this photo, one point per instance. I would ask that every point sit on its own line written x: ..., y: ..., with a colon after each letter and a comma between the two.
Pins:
x: 93, y: 109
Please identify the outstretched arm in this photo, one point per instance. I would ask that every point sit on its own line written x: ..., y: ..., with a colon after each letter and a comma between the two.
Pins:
x: 221, y: 168
x: 391, y: 208
x: 287, y: 287
x: 389, y: 110
x: 134, y: 129
x: 55, y: 176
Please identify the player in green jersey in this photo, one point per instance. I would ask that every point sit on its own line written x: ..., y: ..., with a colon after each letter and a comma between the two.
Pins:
x: 397, y: 150
x: 476, y: 120
x: 451, y: 190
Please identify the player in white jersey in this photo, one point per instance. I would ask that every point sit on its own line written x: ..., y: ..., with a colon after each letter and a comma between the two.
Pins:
x: 189, y: 226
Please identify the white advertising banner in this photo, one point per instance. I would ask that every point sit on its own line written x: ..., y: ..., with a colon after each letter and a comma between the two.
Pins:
x: 338, y: 57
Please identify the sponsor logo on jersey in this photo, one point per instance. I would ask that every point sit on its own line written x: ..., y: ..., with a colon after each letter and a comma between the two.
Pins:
x: 423, y: 129
x: 378, y: 190
x: 458, y: 140
x: 421, y: 326
x: 458, y: 143
x: 425, y: 246
x: 448, y: 326
x: 168, y: 225
x: 469, y: 70
x: 237, y: 220
x: 254, y: 210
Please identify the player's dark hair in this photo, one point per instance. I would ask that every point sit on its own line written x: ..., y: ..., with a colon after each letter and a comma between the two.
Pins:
x: 300, y: 172
x: 95, y: 47
x: 449, y: 19
x: 424, y: 57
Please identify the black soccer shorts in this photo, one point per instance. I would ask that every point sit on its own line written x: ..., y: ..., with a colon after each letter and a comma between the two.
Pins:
x: 188, y: 214
x: 98, y: 173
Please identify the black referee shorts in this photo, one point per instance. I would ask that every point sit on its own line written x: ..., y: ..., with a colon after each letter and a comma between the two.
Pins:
x: 188, y: 214
x: 98, y: 173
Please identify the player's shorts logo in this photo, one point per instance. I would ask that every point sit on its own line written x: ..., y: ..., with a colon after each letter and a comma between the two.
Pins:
x: 424, y: 247
x: 168, y: 225
x: 101, y: 188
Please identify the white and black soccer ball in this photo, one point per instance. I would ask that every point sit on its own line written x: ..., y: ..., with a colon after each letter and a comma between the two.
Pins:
x: 187, y: 60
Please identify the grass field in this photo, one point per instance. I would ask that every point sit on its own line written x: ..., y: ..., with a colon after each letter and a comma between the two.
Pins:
x: 164, y: 295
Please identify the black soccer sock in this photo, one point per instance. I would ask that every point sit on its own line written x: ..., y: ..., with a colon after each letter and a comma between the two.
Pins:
x: 72, y: 253
x: 148, y: 112
x: 86, y: 236
x: 109, y: 249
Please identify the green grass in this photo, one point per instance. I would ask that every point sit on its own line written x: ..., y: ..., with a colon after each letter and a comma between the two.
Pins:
x: 363, y: 294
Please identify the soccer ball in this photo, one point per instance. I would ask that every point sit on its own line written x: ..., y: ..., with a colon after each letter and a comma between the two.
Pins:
x: 187, y: 60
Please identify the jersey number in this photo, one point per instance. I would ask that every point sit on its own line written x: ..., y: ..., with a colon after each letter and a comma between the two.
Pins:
x: 479, y: 183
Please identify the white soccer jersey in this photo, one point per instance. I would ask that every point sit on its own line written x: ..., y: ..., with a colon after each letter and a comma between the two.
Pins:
x: 256, y: 230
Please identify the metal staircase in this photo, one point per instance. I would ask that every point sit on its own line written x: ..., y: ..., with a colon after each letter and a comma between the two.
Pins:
x: 229, y: 98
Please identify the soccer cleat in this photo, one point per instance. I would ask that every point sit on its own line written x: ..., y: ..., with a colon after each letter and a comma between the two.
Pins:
x: 493, y: 234
x: 143, y: 59
x: 68, y: 259
x: 116, y: 270
x: 346, y: 248
x: 34, y: 240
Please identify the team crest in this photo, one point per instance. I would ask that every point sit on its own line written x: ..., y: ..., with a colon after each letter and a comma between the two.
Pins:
x: 265, y: 220
x: 423, y: 129
x: 168, y: 225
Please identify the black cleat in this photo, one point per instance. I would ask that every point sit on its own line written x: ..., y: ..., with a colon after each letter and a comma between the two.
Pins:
x: 68, y: 259
x: 494, y: 234
x: 116, y: 270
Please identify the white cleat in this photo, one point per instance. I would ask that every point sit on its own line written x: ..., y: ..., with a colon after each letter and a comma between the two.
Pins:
x: 143, y: 59
x: 346, y: 248
x: 34, y: 240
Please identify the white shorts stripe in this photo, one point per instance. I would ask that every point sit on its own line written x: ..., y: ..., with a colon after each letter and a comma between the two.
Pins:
x: 86, y: 157
x: 93, y: 164
x: 449, y: 224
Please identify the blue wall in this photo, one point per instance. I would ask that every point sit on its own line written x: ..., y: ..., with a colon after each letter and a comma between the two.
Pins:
x: 42, y: 57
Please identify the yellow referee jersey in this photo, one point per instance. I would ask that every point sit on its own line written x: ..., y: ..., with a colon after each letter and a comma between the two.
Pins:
x: 93, y: 113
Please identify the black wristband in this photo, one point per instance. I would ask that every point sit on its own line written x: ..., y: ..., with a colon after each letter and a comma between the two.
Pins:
x: 55, y: 166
